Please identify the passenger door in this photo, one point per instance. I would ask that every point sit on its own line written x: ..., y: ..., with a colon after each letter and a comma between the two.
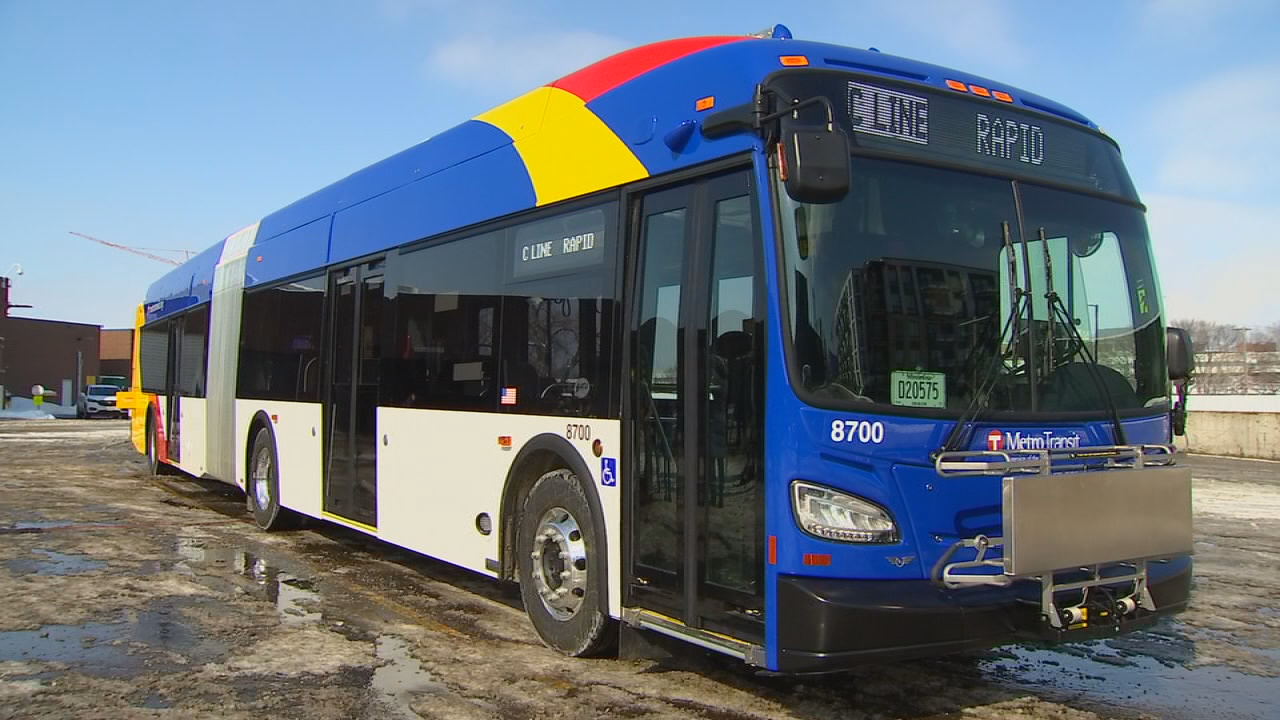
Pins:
x: 353, y: 365
x: 696, y: 500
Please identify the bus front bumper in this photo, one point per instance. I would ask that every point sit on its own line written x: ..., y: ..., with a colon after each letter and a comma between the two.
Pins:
x: 826, y: 625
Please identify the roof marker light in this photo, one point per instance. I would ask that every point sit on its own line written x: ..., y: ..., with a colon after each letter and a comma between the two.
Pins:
x: 1002, y: 96
x: 957, y: 85
x: 793, y: 60
x: 979, y: 91
x: 705, y: 103
x: 777, y: 32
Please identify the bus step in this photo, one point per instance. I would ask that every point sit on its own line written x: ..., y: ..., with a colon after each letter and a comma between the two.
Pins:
x: 671, y: 627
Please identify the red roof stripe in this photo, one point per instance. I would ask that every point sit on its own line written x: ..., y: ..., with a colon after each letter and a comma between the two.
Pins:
x: 595, y: 80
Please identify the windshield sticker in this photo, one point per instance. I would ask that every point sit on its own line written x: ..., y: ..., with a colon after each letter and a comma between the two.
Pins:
x: 914, y: 388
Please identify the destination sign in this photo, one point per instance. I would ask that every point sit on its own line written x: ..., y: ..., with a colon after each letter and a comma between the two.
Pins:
x: 948, y: 127
x: 560, y: 244
x: 888, y: 113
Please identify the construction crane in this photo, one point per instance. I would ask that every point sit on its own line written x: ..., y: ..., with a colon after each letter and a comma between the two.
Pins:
x: 136, y: 251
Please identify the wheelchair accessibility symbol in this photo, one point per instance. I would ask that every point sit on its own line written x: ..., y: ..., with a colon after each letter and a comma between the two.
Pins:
x: 609, y: 472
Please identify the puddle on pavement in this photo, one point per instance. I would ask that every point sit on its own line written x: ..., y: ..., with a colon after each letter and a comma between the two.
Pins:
x: 55, y: 563
x: 295, y: 598
x: 30, y: 527
x: 1142, y: 672
x: 154, y: 640
x: 397, y: 680
x: 400, y: 678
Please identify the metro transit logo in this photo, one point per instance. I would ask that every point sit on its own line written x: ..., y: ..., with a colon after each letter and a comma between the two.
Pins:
x: 998, y: 440
x: 995, y: 440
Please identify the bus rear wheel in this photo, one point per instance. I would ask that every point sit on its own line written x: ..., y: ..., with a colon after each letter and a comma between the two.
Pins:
x: 561, y: 566
x: 154, y: 465
x: 262, y: 487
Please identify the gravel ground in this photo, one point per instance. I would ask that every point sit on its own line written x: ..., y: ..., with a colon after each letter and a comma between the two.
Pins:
x: 123, y: 596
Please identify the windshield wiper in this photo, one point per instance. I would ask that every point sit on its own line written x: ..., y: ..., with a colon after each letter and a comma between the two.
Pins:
x: 1075, y: 342
x: 1021, y: 303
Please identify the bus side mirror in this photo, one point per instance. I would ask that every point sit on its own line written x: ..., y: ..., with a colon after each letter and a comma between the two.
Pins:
x: 814, y: 162
x: 1180, y: 353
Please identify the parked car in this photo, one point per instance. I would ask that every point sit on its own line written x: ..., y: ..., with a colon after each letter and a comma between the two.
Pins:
x: 99, y: 400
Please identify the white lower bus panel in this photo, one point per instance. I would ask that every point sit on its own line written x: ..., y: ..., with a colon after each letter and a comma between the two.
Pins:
x: 438, y: 470
x: 299, y: 448
x: 193, y: 444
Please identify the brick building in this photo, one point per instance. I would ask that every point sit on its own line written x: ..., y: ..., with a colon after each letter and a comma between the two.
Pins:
x: 115, y: 354
x: 57, y: 355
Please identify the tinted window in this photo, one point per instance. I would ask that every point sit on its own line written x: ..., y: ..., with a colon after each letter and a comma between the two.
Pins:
x: 447, y: 310
x: 153, y: 357
x: 194, y: 353
x: 560, y: 315
x: 519, y: 319
x: 279, y: 342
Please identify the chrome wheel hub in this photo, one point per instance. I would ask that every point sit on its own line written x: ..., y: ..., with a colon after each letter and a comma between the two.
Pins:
x: 559, y: 555
x: 261, y: 479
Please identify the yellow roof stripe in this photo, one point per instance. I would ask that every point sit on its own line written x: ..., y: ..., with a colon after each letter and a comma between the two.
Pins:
x: 566, y: 148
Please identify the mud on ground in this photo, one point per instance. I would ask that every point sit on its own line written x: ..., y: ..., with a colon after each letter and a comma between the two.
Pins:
x: 124, y: 596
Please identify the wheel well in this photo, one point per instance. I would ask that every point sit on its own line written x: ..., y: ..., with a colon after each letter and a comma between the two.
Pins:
x: 524, y: 473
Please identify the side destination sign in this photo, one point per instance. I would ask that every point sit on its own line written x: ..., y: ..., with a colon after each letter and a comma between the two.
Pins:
x: 561, y: 244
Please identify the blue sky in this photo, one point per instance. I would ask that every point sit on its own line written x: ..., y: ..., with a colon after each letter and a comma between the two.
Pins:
x: 172, y: 124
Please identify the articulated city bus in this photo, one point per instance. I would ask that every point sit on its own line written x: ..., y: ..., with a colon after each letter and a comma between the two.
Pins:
x: 805, y: 354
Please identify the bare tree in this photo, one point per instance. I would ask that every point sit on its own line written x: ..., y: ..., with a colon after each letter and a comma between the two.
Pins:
x: 1209, y: 336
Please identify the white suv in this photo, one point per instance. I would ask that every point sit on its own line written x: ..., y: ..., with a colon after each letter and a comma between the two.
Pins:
x: 99, y: 400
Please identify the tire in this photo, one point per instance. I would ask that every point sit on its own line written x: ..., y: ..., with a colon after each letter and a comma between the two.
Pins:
x: 154, y: 466
x: 262, y: 485
x: 562, y: 570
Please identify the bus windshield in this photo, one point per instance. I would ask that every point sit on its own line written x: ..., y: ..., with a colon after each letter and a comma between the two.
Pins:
x: 906, y: 293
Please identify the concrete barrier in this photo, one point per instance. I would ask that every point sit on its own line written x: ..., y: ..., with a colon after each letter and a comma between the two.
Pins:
x: 1238, y: 425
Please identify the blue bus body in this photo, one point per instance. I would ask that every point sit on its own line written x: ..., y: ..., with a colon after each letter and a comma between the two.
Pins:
x: 825, y: 604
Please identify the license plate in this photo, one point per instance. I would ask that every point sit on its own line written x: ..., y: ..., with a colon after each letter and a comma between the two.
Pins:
x: 915, y: 388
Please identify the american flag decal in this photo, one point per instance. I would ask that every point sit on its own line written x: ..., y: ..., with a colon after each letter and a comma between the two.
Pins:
x: 508, y: 396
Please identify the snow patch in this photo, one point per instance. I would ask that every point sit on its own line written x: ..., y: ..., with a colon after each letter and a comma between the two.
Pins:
x: 1237, y: 500
x: 22, y: 408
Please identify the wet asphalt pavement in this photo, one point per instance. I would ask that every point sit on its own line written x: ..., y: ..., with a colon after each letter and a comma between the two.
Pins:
x: 125, y: 596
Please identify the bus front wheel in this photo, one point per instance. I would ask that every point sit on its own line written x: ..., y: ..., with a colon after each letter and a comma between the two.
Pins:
x: 561, y: 567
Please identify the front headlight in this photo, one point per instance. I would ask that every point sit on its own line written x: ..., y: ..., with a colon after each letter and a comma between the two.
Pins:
x: 833, y: 515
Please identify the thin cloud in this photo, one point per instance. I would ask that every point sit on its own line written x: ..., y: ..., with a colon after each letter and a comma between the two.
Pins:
x: 507, y: 64
x: 981, y: 32
x: 1217, y: 258
x: 1219, y: 135
x: 1194, y: 17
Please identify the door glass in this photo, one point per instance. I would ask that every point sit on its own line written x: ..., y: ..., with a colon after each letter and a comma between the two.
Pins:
x: 173, y: 418
x: 658, y: 374
x: 339, y: 470
x: 364, y: 493
x: 731, y: 499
